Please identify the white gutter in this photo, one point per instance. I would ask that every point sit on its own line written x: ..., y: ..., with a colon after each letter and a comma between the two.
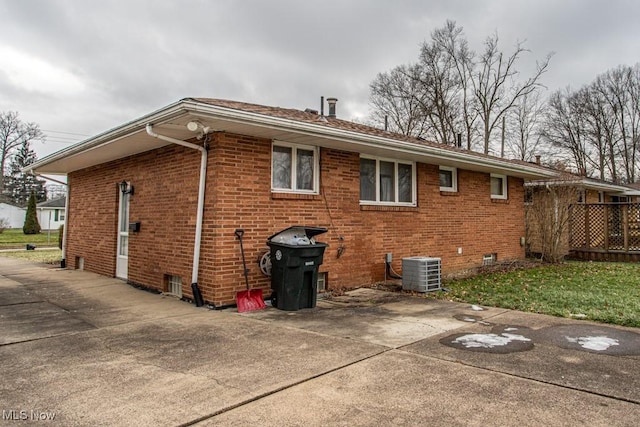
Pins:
x: 193, y: 107
x: 358, y: 138
x: 57, y: 181
x: 200, y: 213
x: 591, y: 185
x: 167, y: 113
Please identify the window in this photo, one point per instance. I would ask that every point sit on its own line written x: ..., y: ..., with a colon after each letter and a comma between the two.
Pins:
x: 294, y: 168
x: 173, y: 285
x: 448, y: 179
x: 582, y: 196
x: 387, y: 181
x: 498, y: 186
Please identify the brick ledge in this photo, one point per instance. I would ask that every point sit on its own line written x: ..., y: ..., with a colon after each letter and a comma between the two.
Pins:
x: 295, y: 196
x: 389, y: 208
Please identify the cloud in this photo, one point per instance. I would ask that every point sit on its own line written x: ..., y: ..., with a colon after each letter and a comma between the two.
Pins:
x: 90, y: 66
x: 33, y: 74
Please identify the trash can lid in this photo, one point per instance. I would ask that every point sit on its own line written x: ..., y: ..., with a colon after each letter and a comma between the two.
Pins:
x: 309, y: 231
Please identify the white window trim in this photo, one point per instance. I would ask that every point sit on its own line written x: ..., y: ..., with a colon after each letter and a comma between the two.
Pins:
x: 454, y: 179
x: 377, y: 202
x: 504, y: 195
x: 294, y: 159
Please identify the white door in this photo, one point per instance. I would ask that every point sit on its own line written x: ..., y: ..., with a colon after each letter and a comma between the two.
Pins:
x: 122, y: 257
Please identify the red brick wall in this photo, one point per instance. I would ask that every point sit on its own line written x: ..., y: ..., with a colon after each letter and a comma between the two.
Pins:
x: 242, y: 198
x: 238, y: 195
x: 164, y: 201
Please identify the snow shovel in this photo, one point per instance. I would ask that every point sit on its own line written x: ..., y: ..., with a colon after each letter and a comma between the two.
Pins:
x: 251, y: 299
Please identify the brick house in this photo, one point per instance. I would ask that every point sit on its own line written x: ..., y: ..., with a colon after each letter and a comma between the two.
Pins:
x: 156, y: 201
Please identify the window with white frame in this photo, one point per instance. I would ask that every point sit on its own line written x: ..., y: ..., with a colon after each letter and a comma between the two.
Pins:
x: 386, y: 181
x: 498, y: 186
x: 294, y: 168
x: 448, y: 179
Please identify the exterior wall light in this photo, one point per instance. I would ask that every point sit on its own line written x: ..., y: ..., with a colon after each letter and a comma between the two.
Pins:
x: 126, y: 188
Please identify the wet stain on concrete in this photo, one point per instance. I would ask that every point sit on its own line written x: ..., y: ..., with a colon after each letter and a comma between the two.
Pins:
x: 592, y: 338
x: 501, y: 340
x: 508, y: 338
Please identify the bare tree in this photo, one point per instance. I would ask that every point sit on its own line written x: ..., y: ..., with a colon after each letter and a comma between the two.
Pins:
x: 547, y: 218
x: 396, y: 99
x: 494, y: 87
x: 525, y: 120
x: 13, y: 134
x: 564, y: 129
x: 440, y: 89
x: 599, y: 127
x: 453, y: 88
x: 634, y: 120
x: 618, y: 89
x: 599, y: 124
x: 444, y: 64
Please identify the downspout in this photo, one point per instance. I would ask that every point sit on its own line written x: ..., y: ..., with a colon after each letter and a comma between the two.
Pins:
x: 65, y: 229
x: 197, y: 296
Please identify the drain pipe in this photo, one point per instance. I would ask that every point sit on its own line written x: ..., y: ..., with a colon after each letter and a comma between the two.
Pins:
x: 197, y: 296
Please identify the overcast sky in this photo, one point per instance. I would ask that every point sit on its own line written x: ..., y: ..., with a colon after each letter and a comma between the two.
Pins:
x: 85, y: 66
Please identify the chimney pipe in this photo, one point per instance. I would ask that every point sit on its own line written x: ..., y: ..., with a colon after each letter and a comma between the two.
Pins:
x: 332, y: 106
x: 386, y: 122
x: 537, y: 159
x: 322, y: 106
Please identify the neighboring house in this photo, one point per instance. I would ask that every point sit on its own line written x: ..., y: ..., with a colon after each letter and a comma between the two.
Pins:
x: 13, y: 214
x: 51, y: 213
x: 582, y: 213
x: 264, y: 169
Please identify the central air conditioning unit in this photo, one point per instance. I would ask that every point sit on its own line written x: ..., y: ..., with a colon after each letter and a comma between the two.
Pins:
x: 421, y: 274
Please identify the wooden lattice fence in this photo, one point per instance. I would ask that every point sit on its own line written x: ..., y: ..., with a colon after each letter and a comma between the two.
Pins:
x: 605, y: 227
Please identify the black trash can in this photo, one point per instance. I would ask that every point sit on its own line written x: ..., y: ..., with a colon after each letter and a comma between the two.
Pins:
x: 295, y: 259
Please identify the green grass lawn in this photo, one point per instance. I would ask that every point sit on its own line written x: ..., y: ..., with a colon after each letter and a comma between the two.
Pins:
x: 601, y: 292
x: 15, y: 238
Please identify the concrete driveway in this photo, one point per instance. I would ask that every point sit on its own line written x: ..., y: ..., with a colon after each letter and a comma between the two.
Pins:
x: 88, y: 350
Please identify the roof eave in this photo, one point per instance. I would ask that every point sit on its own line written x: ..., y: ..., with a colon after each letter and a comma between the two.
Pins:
x: 462, y: 158
x: 109, y: 136
x: 583, y: 183
x: 189, y: 106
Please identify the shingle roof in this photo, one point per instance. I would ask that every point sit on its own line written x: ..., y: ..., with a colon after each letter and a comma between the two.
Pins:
x: 54, y: 203
x: 336, y: 123
x: 269, y: 122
